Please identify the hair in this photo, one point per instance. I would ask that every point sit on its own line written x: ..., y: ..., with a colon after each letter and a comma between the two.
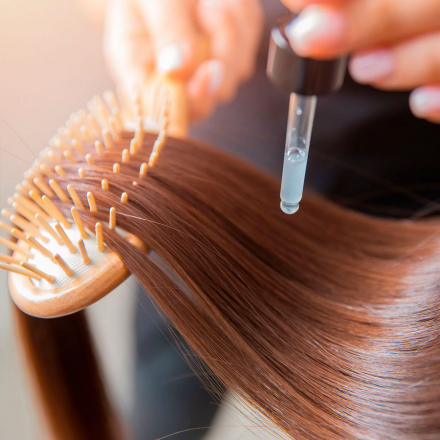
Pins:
x: 325, y: 322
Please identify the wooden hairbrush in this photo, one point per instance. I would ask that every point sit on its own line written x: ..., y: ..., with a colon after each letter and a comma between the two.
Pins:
x: 58, y: 266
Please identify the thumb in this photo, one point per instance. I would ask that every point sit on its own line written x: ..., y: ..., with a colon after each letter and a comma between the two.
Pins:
x: 174, y: 35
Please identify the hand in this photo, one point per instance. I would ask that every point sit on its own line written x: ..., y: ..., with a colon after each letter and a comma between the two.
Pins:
x: 395, y: 43
x: 209, y: 44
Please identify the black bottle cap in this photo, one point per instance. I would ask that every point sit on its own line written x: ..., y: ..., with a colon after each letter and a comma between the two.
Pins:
x: 296, y: 74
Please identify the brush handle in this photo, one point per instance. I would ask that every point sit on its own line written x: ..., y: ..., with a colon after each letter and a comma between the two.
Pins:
x: 152, y: 97
x: 155, y: 90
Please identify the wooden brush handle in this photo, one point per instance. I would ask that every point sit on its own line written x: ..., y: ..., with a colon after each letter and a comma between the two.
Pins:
x: 176, y: 90
x: 155, y: 90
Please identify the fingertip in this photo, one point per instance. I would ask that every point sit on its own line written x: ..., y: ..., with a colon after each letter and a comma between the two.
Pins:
x: 178, y: 59
x: 204, y: 88
x: 170, y: 59
x: 425, y: 103
x: 371, y: 66
x: 216, y: 71
x: 318, y: 31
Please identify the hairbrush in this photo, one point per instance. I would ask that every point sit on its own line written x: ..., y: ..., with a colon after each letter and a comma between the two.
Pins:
x: 56, y: 264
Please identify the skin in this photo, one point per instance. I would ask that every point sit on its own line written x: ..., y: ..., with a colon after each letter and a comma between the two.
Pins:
x: 218, y: 52
x: 211, y: 49
x: 404, y: 34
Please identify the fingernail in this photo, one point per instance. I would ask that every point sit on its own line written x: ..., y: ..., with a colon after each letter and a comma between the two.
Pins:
x: 170, y: 58
x: 372, y: 66
x: 316, y: 29
x: 217, y: 75
x: 425, y: 101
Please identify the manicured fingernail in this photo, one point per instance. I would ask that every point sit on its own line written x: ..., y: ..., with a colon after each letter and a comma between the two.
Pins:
x: 217, y: 75
x: 372, y: 66
x: 425, y: 101
x: 316, y: 30
x: 170, y: 59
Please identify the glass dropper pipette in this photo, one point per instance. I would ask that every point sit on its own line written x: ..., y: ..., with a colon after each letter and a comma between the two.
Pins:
x: 299, y: 132
x: 305, y: 79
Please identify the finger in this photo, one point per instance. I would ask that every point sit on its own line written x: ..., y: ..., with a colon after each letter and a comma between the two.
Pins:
x: 216, y: 20
x: 425, y: 103
x: 127, y: 48
x: 297, y: 5
x: 203, y: 89
x: 176, y: 41
x: 249, y: 36
x: 323, y: 31
x: 294, y: 5
x: 406, y: 66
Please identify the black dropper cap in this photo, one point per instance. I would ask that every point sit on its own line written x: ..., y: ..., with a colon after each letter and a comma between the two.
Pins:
x: 305, y: 76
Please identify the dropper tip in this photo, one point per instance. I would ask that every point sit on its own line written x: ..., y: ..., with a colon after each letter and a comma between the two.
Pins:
x: 289, y: 208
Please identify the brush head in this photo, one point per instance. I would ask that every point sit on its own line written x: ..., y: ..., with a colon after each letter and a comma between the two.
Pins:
x: 60, y: 265
x: 67, y: 291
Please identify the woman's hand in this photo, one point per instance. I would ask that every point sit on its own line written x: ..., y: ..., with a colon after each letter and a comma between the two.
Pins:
x: 395, y: 43
x: 209, y: 44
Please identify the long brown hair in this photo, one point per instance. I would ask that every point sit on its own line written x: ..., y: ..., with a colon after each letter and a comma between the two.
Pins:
x: 326, y: 322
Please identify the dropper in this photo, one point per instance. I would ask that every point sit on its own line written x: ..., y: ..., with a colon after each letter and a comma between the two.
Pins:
x: 305, y: 79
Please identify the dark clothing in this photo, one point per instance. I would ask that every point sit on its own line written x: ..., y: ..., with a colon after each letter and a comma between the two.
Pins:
x: 368, y: 152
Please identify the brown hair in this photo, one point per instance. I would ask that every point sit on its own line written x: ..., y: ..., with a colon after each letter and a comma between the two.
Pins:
x: 326, y: 322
